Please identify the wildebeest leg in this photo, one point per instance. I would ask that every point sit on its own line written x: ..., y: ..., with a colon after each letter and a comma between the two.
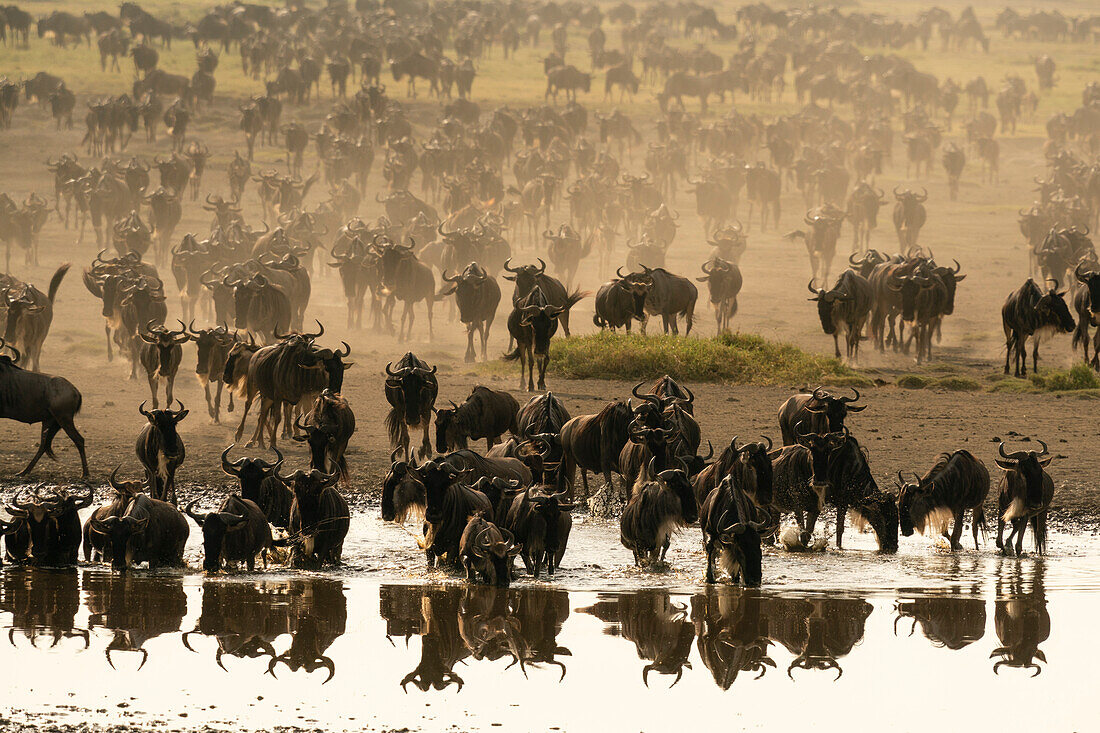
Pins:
x: 836, y: 345
x: 261, y: 423
x: 471, y: 354
x: 1034, y: 355
x: 957, y: 530
x: 45, y: 445
x: 1019, y: 528
x: 712, y: 553
x: 584, y: 481
x: 218, y: 401
x: 841, y: 511
x: 107, y: 330
x: 425, y: 442
x: 431, y: 330
x: 544, y: 361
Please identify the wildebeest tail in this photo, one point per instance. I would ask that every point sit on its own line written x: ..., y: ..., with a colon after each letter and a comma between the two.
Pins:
x: 979, y: 519
x: 55, y: 281
x: 393, y: 426
x: 511, y: 355
x: 576, y: 297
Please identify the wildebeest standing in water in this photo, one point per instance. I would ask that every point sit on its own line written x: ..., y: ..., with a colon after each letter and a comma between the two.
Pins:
x: 957, y: 482
x: 30, y: 397
x: 160, y: 450
x: 411, y: 390
x: 1025, y: 496
x: 541, y: 522
x: 46, y: 527
x: 236, y: 533
x: 820, y: 412
x: 149, y: 530
x: 258, y: 483
x: 485, y: 415
x: 656, y: 510
x: 486, y: 550
x: 319, y: 518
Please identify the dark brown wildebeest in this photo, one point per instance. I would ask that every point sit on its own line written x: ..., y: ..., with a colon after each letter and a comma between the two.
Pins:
x: 30, y: 397
x: 753, y: 478
x: 1025, y: 494
x: 236, y: 533
x: 1086, y: 301
x: 411, y: 390
x: 319, y: 518
x: 486, y: 550
x: 477, y: 295
x: 951, y: 622
x: 724, y: 282
x: 670, y: 297
x: 531, y: 325
x: 403, y: 492
x: 447, y: 510
x: 819, y: 411
x: 909, y: 217
x: 258, y: 483
x: 824, y: 222
x: 540, y: 521
x: 862, y: 210
x: 1028, y: 312
x: 328, y: 429
x: 46, y: 527
x: 160, y: 450
x: 594, y: 442
x: 161, y: 356
x: 213, y: 346
x: 657, y: 508
x: 529, y: 277
x: 29, y: 315
x: 148, y: 530
x: 731, y: 530
x: 416, y: 65
x: 621, y: 301
x: 485, y: 415
x: 957, y: 482
x: 569, y: 79
x: 844, y: 310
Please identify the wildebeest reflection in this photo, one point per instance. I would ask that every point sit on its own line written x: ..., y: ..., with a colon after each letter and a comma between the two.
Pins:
x: 659, y: 628
x: 317, y: 614
x: 135, y: 609
x: 473, y: 622
x: 42, y: 601
x: 818, y: 631
x: 732, y: 633
x: 947, y: 621
x: 1022, y: 621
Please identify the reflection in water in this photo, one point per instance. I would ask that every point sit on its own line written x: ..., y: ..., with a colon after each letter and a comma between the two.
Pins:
x: 732, y: 633
x: 42, y: 601
x: 1021, y: 618
x: 456, y: 623
x: 135, y: 608
x: 953, y: 621
x: 659, y: 628
x: 247, y: 618
x: 818, y: 631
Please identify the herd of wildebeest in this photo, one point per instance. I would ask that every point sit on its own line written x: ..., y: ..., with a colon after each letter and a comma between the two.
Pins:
x: 482, y: 510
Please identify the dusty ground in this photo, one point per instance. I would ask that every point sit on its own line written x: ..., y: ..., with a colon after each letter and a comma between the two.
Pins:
x: 902, y: 429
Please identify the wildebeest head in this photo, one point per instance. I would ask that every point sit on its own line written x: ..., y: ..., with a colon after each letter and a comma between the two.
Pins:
x: 490, y: 549
x: 308, y: 486
x: 543, y: 321
x: 1053, y: 311
x: 333, y: 362
x: 755, y: 470
x: 165, y: 341
x: 165, y: 423
x: 950, y: 278
x: 446, y: 437
x: 835, y: 409
x: 43, y: 515
x: 250, y: 472
x: 525, y: 277
x: 215, y: 526
x: 676, y: 480
x: 408, y: 385
x: 739, y: 534
x: 437, y: 477
x: 1029, y: 465
x: 402, y: 491
x: 637, y: 284
x: 880, y: 510
x: 825, y: 300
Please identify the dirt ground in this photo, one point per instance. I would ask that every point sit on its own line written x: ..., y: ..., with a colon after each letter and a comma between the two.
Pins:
x: 902, y: 429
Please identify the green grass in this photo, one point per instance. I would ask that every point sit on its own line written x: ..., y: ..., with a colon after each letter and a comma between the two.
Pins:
x: 952, y: 383
x: 738, y: 359
x: 1078, y: 378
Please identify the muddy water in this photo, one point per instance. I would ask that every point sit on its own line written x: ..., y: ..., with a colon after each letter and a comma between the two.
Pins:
x: 837, y: 640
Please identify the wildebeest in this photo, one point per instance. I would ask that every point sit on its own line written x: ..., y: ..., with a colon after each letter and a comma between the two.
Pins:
x: 148, y: 530
x: 487, y: 550
x: 212, y: 346
x: 949, y: 621
x: 954, y: 160
x: 824, y: 223
x: 655, y: 511
x: 447, y: 510
x: 820, y: 412
x: 621, y: 301
x: 1086, y: 301
x: 594, y: 442
x: 862, y: 210
x: 957, y: 482
x: 477, y: 295
x: 909, y: 217
x: 750, y: 466
x: 258, y: 484
x: 531, y: 324
x: 724, y: 281
x: 328, y: 429
x: 540, y: 521
x: 670, y: 297
x: 236, y: 533
x: 46, y: 527
x: 319, y: 518
x: 1025, y: 495
x: 485, y: 415
x: 411, y: 390
x: 844, y: 310
x: 30, y: 397
x: 1028, y: 312
x: 408, y: 280
x: 29, y: 315
x: 161, y: 356
x: 160, y: 450
x: 731, y: 532
x: 529, y: 277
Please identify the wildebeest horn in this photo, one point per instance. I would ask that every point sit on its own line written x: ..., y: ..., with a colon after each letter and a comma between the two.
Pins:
x: 810, y: 287
x: 189, y: 511
x: 957, y: 265
x: 851, y: 399
x: 113, y: 480
x: 319, y: 334
x: 233, y: 469
x: 346, y: 351
x: 542, y: 269
x: 143, y: 411
x: 635, y: 391
x: 619, y: 273
x: 390, y: 371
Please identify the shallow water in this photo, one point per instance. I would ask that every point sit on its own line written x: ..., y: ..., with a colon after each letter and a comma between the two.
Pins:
x: 861, y: 640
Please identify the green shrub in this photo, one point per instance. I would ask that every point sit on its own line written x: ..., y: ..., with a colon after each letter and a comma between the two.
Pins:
x: 912, y: 381
x: 1079, y: 376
